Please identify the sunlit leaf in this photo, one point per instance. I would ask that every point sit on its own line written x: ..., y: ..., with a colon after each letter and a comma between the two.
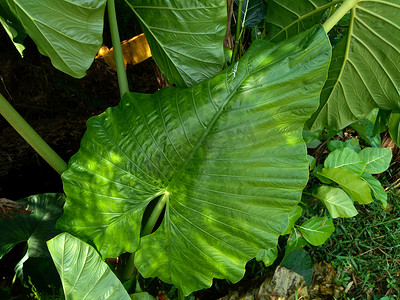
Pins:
x: 317, y: 230
x: 377, y: 159
x: 338, y: 203
x: 185, y: 37
x: 83, y: 273
x: 376, y: 188
x: 227, y: 156
x: 345, y: 158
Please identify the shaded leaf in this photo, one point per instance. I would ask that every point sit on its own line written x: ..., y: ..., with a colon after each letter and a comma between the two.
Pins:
x: 254, y: 12
x: 185, y: 37
x: 142, y: 296
x: 376, y: 188
x: 364, y: 73
x: 351, y: 143
x: 345, y: 158
x: 300, y: 262
x: 311, y: 161
x: 12, y: 26
x: 294, y: 215
x: 353, y: 185
x: 365, y: 128
x: 394, y: 127
x: 68, y: 31
x: 317, y: 230
x: 83, y: 274
x: 338, y: 203
x: 35, y: 229
x: 267, y: 256
x: 227, y: 157
x: 377, y: 159
x: 295, y: 241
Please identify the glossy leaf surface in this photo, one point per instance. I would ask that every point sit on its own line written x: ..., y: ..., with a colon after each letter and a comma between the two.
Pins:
x: 364, y: 73
x: 227, y: 155
x: 338, y: 203
x: 345, y: 158
x: 287, y: 18
x: 317, y: 230
x: 70, y: 32
x: 35, y: 229
x: 83, y: 273
x: 185, y: 37
x: 351, y: 183
x: 377, y: 159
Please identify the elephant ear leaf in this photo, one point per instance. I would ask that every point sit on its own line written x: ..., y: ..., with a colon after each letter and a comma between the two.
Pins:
x: 35, y: 229
x: 69, y: 32
x: 226, y: 156
x: 83, y: 273
x: 364, y: 73
x: 185, y: 37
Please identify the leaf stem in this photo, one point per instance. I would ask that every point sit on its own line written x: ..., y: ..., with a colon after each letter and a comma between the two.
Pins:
x: 238, y: 27
x: 339, y: 14
x: 31, y: 136
x: 147, y: 229
x: 118, y: 56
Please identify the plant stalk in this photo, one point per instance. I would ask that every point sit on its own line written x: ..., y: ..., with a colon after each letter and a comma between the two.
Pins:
x: 31, y: 136
x: 129, y: 269
x: 118, y: 56
x: 339, y: 14
x: 238, y: 27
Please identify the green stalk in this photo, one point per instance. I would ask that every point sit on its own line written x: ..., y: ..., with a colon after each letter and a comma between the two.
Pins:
x: 31, y: 136
x: 147, y: 229
x: 339, y: 14
x: 118, y: 56
x: 238, y: 27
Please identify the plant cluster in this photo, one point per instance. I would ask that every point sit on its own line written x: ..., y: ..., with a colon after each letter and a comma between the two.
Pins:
x: 201, y: 177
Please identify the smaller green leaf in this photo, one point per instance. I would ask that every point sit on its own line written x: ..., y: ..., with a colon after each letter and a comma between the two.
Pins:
x: 376, y: 188
x: 351, y: 143
x: 311, y: 161
x: 338, y: 203
x: 295, y: 241
x: 83, y: 274
x: 300, y: 262
x: 317, y: 230
x: 345, y: 158
x: 253, y: 12
x: 377, y: 159
x: 267, y: 256
x: 365, y: 128
x: 12, y: 26
x: 295, y: 214
x: 394, y: 127
x: 357, y: 188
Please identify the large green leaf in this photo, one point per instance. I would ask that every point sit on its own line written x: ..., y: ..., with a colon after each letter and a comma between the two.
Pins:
x: 365, y: 72
x: 350, y: 182
x: 67, y: 31
x: 185, y: 37
x: 286, y: 18
x: 226, y: 155
x: 83, y: 274
x: 338, y: 203
x: 35, y: 229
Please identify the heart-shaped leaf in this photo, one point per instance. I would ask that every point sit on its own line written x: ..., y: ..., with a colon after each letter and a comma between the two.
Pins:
x: 317, y: 230
x: 345, y: 158
x: 185, y: 37
x: 83, y: 274
x: 227, y: 157
x: 35, y: 229
x: 338, y: 203
x: 377, y: 159
x: 70, y: 32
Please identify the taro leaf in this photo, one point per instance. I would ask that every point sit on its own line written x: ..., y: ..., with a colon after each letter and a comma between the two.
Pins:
x: 295, y: 241
x: 185, y: 37
x: 226, y: 155
x: 286, y: 18
x: 254, y: 12
x: 12, y: 26
x: 294, y: 215
x: 376, y: 188
x: 345, y: 158
x: 83, y: 273
x: 300, y: 262
x: 35, y: 229
x: 317, y: 230
x: 67, y: 31
x: 338, y: 203
x: 350, y: 182
x: 365, y: 72
x: 377, y: 159
x: 394, y: 127
x: 267, y: 256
